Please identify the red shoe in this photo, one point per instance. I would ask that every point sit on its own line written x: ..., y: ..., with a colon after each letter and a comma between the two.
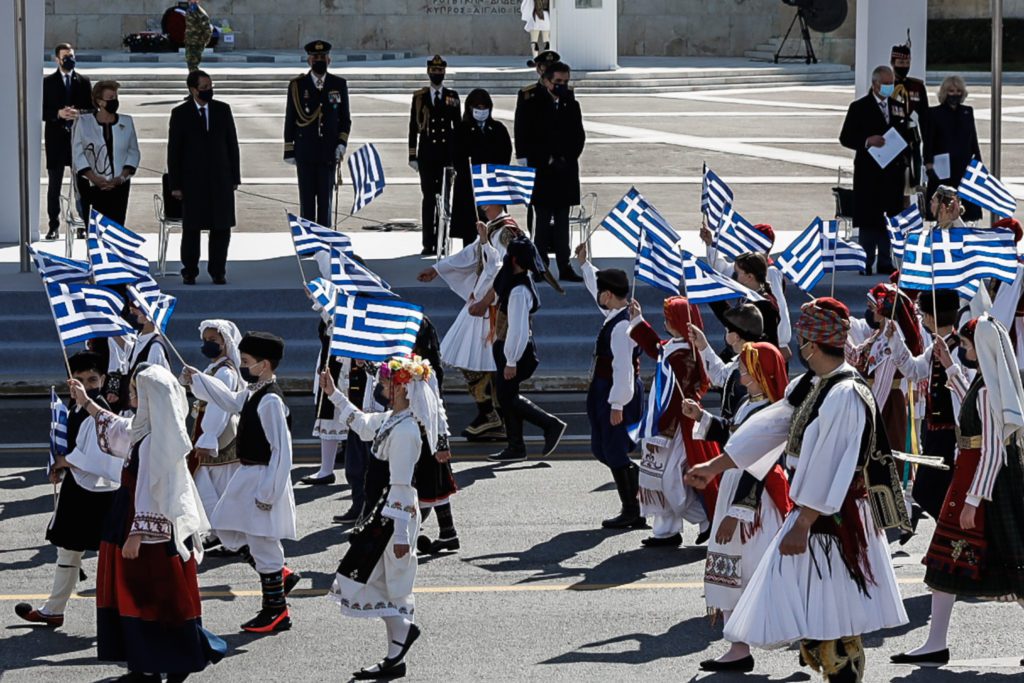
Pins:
x: 269, y: 621
x: 31, y: 614
x: 291, y: 579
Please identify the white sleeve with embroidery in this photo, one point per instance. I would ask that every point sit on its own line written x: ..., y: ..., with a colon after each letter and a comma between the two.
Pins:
x: 402, y: 452
x: 365, y: 425
x: 152, y: 526
x: 114, y: 434
x: 914, y: 368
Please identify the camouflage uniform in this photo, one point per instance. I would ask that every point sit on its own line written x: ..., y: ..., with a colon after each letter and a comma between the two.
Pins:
x: 197, y: 35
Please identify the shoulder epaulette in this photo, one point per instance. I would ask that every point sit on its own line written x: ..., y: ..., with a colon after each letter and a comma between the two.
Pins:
x: 421, y: 91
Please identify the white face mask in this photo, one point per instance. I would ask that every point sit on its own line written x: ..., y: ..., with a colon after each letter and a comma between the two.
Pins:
x: 481, y: 115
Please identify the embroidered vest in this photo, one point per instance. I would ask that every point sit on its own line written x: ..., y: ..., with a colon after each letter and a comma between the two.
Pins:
x: 940, y: 400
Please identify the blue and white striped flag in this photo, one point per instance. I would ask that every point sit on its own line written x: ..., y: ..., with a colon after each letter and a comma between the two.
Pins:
x: 497, y: 184
x: 374, y: 329
x: 323, y: 292
x: 736, y: 236
x: 954, y: 258
x: 58, y: 429
x: 310, y: 237
x: 352, y: 277
x: 367, y: 173
x: 715, y: 195
x: 114, y: 252
x: 705, y: 285
x: 802, y: 261
x: 86, y: 312
x: 658, y: 399
x: 980, y: 187
x: 156, y: 305
x: 633, y: 215
x: 657, y: 265
x: 903, y: 223
x: 838, y: 254
x: 54, y: 268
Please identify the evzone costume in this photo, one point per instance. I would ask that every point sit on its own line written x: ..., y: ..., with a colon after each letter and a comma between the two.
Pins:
x: 376, y: 576
x: 751, y: 511
x: 846, y: 491
x: 257, y: 509
x: 536, y: 15
x: 616, y: 387
x: 467, y: 344
x: 148, y: 611
x: 977, y: 549
x: 89, y: 481
x: 669, y: 448
x: 214, y: 432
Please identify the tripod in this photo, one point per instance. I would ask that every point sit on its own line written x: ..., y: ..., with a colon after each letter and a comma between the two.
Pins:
x: 809, y: 57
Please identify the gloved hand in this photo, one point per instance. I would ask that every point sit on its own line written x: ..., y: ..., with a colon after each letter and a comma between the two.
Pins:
x: 290, y: 161
x: 414, y: 165
x: 521, y: 161
x: 339, y: 152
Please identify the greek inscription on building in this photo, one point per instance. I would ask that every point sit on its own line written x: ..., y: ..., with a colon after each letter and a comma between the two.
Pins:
x: 472, y: 7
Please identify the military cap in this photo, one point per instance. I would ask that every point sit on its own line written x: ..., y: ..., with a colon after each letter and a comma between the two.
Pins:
x: 437, y: 62
x: 318, y: 47
x: 544, y: 58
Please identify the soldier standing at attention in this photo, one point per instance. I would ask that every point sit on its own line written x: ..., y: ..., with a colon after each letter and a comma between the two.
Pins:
x: 197, y: 34
x: 435, y: 115
x: 316, y: 127
x: 912, y: 93
x: 522, y: 119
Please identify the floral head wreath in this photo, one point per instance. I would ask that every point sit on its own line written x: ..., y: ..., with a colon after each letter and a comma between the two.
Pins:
x: 403, y: 370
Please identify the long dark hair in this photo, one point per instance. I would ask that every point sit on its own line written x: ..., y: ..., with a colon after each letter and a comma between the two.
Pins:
x: 479, y: 96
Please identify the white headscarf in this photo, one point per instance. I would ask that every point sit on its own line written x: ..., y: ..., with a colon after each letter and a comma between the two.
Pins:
x: 232, y: 337
x: 426, y: 409
x: 998, y: 364
x: 161, y: 416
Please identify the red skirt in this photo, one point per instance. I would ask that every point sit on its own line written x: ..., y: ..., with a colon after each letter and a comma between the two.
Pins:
x: 698, y: 452
x: 956, y: 558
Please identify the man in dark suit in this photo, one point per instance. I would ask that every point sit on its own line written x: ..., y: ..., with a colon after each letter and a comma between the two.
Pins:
x: 316, y: 127
x: 432, y: 121
x: 522, y: 123
x: 876, y: 191
x: 66, y: 93
x: 204, y: 171
x: 553, y: 142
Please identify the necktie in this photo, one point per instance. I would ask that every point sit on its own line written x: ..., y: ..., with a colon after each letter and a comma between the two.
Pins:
x: 202, y: 115
x: 437, y: 98
x: 319, y: 84
x: 67, y: 86
x: 885, y: 109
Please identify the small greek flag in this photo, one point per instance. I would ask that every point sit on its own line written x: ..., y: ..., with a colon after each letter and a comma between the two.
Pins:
x: 802, y: 261
x: 86, y: 312
x: 310, y: 237
x: 352, y: 277
x: 374, y: 329
x: 497, y: 184
x: 58, y: 429
x: 903, y: 223
x: 114, y: 252
x: 980, y: 187
x: 54, y: 268
x: 838, y: 254
x: 323, y: 292
x: 705, y: 285
x: 367, y: 173
x: 953, y: 258
x: 659, y: 398
x: 633, y: 215
x: 657, y: 265
x: 715, y: 195
x: 736, y: 236
x: 157, y: 306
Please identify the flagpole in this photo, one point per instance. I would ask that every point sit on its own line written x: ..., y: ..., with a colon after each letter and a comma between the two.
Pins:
x: 327, y: 360
x: 138, y: 301
x: 689, y: 321
x: 931, y: 246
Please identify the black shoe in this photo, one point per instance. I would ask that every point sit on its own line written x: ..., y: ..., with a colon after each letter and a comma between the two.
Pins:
x: 481, y: 424
x: 552, y: 435
x: 938, y: 658
x: 385, y: 669
x: 509, y: 455
x: 568, y: 275
x: 210, y: 542
x: 423, y: 544
x: 319, y: 481
x: 443, y: 544
x: 410, y: 638
x: 627, y: 485
x: 188, y: 279
x: 52, y: 234
x: 221, y: 280
x: 703, y: 536
x: 429, y: 251
x: 867, y: 272
x: 290, y: 579
x: 673, y: 541
x: 269, y: 620
x: 350, y: 517
x: 497, y: 434
x: 745, y: 665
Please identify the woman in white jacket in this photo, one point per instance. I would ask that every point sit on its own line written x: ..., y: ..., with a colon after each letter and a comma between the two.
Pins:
x: 105, y: 151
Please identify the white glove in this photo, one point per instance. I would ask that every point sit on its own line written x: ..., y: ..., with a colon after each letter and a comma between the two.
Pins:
x: 414, y: 165
x: 521, y: 161
x: 339, y: 152
x: 290, y: 161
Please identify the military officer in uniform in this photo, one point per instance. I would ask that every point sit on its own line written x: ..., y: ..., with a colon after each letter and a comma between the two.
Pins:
x: 522, y: 123
x: 316, y: 127
x: 432, y: 122
x: 911, y: 93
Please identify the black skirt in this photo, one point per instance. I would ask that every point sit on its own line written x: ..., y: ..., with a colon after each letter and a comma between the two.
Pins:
x: 80, y: 517
x: 1005, y: 523
x: 930, y: 483
x: 435, y: 482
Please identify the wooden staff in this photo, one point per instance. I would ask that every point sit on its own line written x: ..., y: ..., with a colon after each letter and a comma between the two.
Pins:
x: 689, y: 322
x: 63, y: 351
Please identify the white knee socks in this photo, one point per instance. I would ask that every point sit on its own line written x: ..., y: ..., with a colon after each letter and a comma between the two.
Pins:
x: 398, y: 631
x: 328, y: 454
x: 65, y: 577
x: 938, y: 627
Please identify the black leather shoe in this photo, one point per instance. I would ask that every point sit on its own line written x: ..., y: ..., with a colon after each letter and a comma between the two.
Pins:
x: 703, y: 536
x: 938, y: 658
x: 429, y: 251
x: 319, y: 481
x: 673, y: 541
x: 568, y: 275
x: 745, y: 665
x: 220, y: 280
x: 423, y: 544
x: 508, y: 455
x: 188, y: 279
x: 291, y: 580
x: 627, y: 519
x: 552, y: 435
x: 52, y: 234
x: 350, y: 517
x: 386, y: 669
x: 444, y: 544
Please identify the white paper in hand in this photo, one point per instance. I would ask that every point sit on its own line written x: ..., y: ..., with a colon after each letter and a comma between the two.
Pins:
x: 940, y: 165
x: 894, y: 144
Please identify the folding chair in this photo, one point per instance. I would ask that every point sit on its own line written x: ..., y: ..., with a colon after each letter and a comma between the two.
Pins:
x: 580, y: 217
x: 844, y: 205
x: 69, y: 211
x: 168, y: 216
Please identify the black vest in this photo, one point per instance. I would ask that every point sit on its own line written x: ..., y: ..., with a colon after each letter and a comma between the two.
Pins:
x: 603, y: 355
x: 253, y: 447
x: 970, y: 418
x: 940, y: 401
x: 76, y: 416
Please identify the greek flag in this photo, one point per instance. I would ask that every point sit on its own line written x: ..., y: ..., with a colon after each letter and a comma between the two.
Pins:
x: 705, y: 285
x: 658, y: 400
x: 979, y: 187
x: 955, y: 258
x: 633, y: 215
x: 900, y: 225
x: 58, y: 429
x: 736, y: 236
x: 374, y: 329
x: 838, y: 254
x: 310, y: 237
x: 367, y: 173
x: 323, y: 292
x: 86, y: 312
x: 802, y: 261
x: 114, y: 252
x: 352, y: 277
x: 658, y: 265
x: 497, y: 184
x: 715, y: 195
x: 54, y: 268
x: 157, y: 306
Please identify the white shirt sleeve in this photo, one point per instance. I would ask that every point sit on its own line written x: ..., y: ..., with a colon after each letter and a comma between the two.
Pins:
x: 1004, y: 307
x: 590, y: 280
x: 785, y: 329
x: 93, y: 469
x: 914, y: 368
x: 215, y: 418
x: 622, y: 366
x: 518, y: 325
x: 717, y: 369
x: 365, y: 425
x: 156, y: 356
x: 459, y: 270
x: 213, y: 391
x: 277, y: 476
x: 757, y: 444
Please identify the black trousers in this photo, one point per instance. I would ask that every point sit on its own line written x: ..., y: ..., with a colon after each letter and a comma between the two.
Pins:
x: 111, y: 203
x: 55, y: 181
x: 876, y: 240
x: 431, y: 179
x: 516, y: 409
x: 218, y: 247
x: 316, y: 190
x: 551, y: 232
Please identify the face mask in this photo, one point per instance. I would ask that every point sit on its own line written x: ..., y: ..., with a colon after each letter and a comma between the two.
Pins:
x: 806, y: 362
x: 600, y: 305
x: 437, y: 79
x: 319, y: 67
x: 94, y: 393
x: 954, y: 100
x: 205, y: 95
x: 869, y: 318
x: 961, y: 354
x: 481, y: 115
x: 561, y: 90
x: 210, y: 349
x: 901, y: 71
x: 379, y: 396
x: 248, y: 375
x: 135, y: 321
x: 111, y: 106
x: 886, y: 89
x: 68, y: 63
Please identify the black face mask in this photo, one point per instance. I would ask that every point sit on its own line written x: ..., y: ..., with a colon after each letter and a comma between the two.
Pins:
x: 68, y: 63
x: 210, y: 349
x: 954, y: 100
x: 561, y: 90
x: 870, y: 319
x: 319, y: 67
x: 437, y: 79
x: 112, y: 106
x: 379, y: 396
x: 94, y: 393
x: 961, y: 354
x: 901, y: 71
x: 248, y: 375
x: 205, y: 95
x: 135, y: 321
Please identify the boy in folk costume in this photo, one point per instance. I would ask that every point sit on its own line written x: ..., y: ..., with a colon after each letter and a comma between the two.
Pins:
x: 377, y: 575
x: 749, y: 512
x: 615, y: 395
x: 826, y: 578
x: 215, y: 456
x: 977, y: 549
x: 88, y: 479
x: 258, y: 507
x: 669, y: 448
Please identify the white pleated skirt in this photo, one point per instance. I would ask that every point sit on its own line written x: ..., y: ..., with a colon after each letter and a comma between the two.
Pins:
x: 465, y: 345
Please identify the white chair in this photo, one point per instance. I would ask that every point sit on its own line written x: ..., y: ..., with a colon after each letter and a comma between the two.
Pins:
x: 166, y: 225
x: 69, y: 213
